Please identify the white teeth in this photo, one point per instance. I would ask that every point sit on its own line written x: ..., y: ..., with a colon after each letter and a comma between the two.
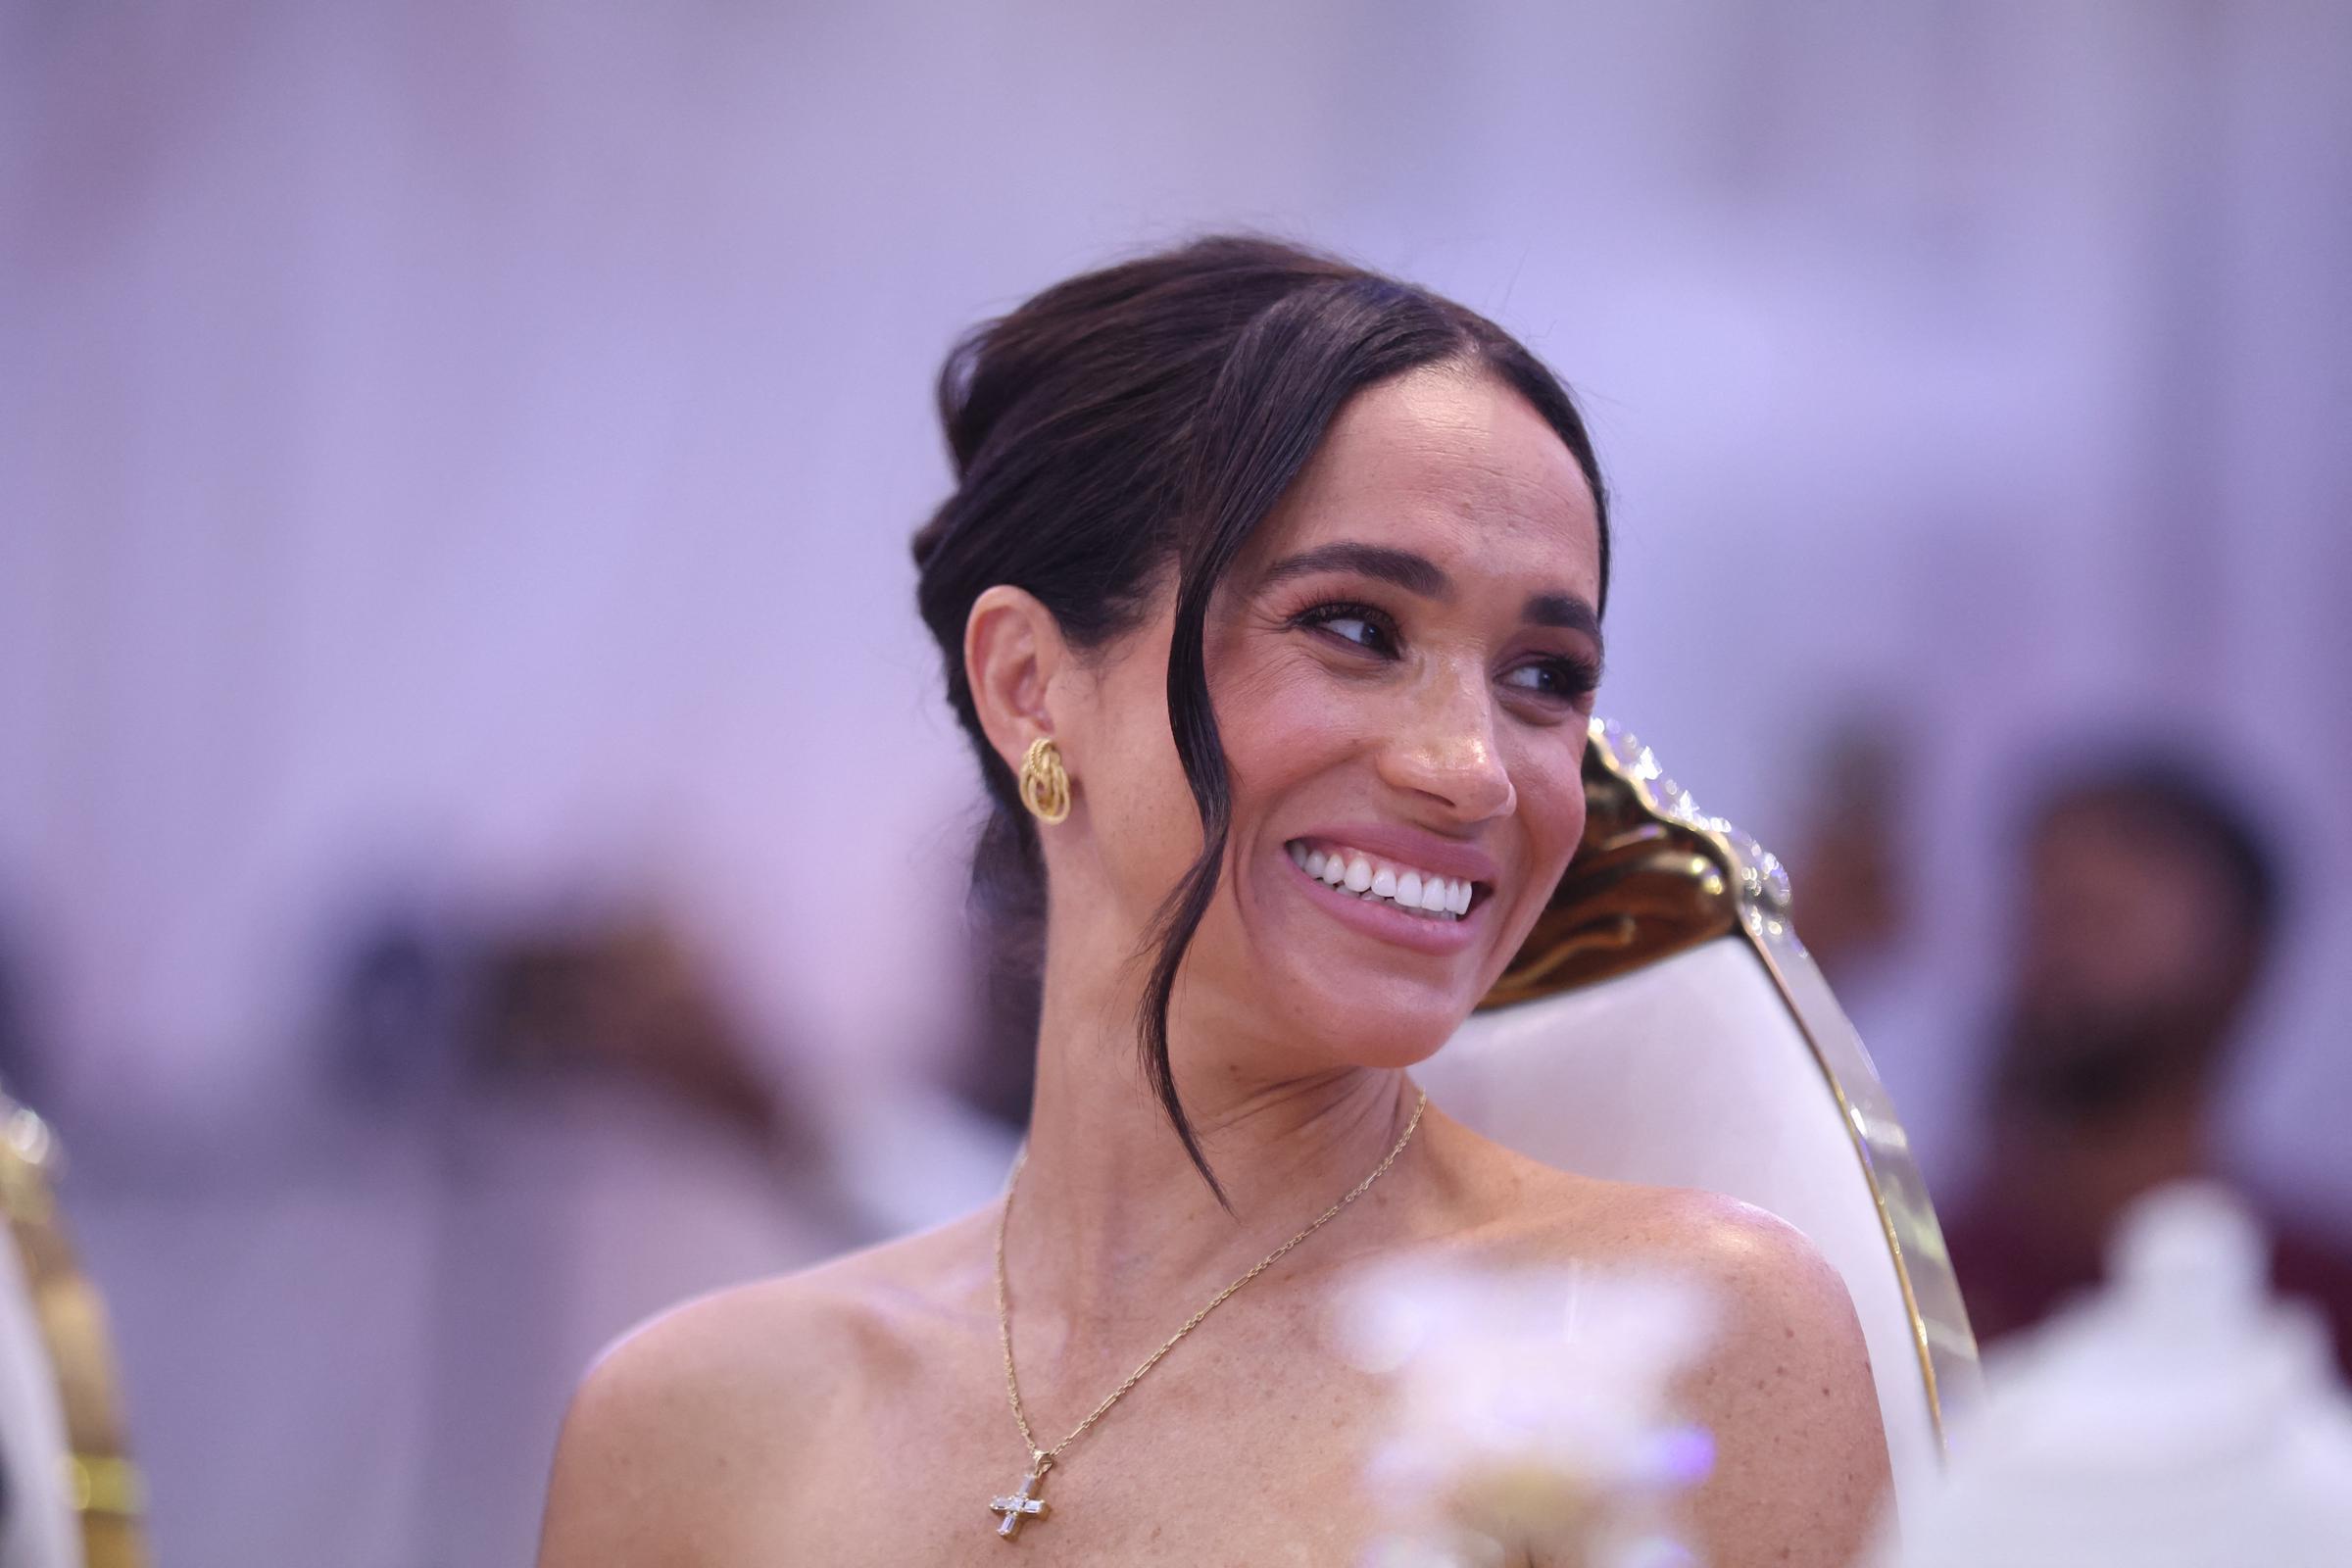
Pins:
x: 1443, y: 897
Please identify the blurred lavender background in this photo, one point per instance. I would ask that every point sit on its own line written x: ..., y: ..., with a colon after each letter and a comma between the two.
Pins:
x: 482, y: 849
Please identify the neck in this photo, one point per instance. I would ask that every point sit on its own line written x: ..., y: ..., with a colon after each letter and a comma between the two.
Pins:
x: 1114, y: 1222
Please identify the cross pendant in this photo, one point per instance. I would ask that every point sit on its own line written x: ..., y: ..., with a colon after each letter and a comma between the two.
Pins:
x: 1022, y: 1506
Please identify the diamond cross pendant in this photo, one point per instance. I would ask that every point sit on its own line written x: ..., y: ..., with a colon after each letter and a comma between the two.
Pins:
x: 1021, y: 1507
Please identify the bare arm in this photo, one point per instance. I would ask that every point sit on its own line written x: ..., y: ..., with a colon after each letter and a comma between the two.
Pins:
x: 606, y: 1502
x: 653, y: 1466
x: 1801, y: 1457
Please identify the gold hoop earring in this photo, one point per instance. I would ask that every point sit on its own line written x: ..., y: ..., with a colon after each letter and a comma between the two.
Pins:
x: 1045, y: 783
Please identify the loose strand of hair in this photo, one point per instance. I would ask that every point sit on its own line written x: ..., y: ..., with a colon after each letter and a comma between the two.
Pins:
x: 1249, y: 477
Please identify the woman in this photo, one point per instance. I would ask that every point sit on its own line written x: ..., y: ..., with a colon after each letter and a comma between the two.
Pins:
x: 1270, y: 597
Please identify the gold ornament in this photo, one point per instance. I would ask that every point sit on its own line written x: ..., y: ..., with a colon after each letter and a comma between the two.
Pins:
x: 1045, y: 783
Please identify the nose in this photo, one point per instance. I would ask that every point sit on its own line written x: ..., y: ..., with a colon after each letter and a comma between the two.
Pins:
x: 1442, y: 748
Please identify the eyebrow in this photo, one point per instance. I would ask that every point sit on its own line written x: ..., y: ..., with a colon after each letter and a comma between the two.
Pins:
x: 1416, y: 573
x: 1565, y: 611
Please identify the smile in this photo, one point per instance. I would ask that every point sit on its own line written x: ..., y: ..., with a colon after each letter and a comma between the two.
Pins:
x: 1377, y: 880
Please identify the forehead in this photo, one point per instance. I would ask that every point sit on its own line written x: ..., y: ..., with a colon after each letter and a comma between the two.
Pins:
x: 1448, y: 462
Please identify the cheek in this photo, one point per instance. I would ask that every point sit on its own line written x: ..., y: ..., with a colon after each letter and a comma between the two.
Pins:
x: 1549, y: 780
x: 1143, y: 815
x: 1279, y: 728
x: 1563, y: 811
x: 1142, y: 830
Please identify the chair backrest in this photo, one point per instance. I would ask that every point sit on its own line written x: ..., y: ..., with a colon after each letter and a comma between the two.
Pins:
x: 1663, y: 1025
x: 74, y: 1499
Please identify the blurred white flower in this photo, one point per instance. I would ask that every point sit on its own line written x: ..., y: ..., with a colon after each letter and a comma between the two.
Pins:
x: 1531, y: 1406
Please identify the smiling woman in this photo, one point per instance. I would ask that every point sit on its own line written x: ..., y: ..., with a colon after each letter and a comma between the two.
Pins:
x: 1283, y: 582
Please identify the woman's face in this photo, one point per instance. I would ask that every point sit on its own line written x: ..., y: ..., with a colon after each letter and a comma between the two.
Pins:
x: 1402, y: 663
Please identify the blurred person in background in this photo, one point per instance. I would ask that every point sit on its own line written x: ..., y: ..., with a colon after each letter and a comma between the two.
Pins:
x: 2149, y: 910
x: 516, y: 1130
x: 607, y: 1131
x: 1857, y: 900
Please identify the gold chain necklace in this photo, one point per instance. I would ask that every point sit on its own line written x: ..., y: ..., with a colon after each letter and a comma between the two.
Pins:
x: 1025, y: 1505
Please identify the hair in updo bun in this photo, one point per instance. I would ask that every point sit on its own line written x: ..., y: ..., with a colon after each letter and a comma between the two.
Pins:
x: 1136, y: 423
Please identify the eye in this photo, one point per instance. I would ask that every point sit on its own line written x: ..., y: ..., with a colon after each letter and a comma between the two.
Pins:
x: 1360, y: 625
x: 1565, y: 680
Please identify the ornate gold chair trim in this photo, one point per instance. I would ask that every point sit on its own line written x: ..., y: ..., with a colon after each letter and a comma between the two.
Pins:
x: 107, y: 1484
x: 1655, y: 876
x: 104, y: 1486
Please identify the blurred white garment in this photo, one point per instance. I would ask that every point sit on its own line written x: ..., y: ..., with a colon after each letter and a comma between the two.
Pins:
x: 37, y: 1526
x: 2180, y: 1418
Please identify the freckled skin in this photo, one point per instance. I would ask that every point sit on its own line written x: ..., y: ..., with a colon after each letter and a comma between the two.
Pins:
x: 855, y: 1414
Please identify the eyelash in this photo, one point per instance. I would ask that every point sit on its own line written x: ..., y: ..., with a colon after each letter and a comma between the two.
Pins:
x: 1320, y: 617
x: 1577, y: 677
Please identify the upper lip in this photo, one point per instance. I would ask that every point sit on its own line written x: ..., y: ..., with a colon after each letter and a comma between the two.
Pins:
x: 1413, y: 846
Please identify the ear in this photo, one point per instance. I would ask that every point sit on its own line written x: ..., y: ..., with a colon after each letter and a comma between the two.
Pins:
x: 1012, y: 650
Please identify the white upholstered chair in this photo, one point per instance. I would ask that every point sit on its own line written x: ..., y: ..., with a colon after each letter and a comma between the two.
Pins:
x: 1664, y: 1025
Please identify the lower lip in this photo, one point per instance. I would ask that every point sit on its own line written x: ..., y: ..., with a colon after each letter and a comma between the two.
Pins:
x: 1377, y: 917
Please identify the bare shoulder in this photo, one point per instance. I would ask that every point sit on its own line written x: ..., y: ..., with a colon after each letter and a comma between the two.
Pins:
x: 1762, y: 1269
x: 1786, y: 1390
x: 672, y: 1417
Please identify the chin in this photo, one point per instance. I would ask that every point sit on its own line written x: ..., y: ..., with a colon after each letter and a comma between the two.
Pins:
x: 1384, y: 1024
x: 1353, y: 986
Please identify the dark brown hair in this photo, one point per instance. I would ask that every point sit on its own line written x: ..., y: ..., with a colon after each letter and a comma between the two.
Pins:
x: 1139, y: 422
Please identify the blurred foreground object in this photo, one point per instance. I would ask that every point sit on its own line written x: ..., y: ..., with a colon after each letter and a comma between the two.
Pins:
x: 2151, y: 906
x: 2180, y: 1418
x: 1663, y: 1025
x: 69, y: 1495
x: 1532, y: 1409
